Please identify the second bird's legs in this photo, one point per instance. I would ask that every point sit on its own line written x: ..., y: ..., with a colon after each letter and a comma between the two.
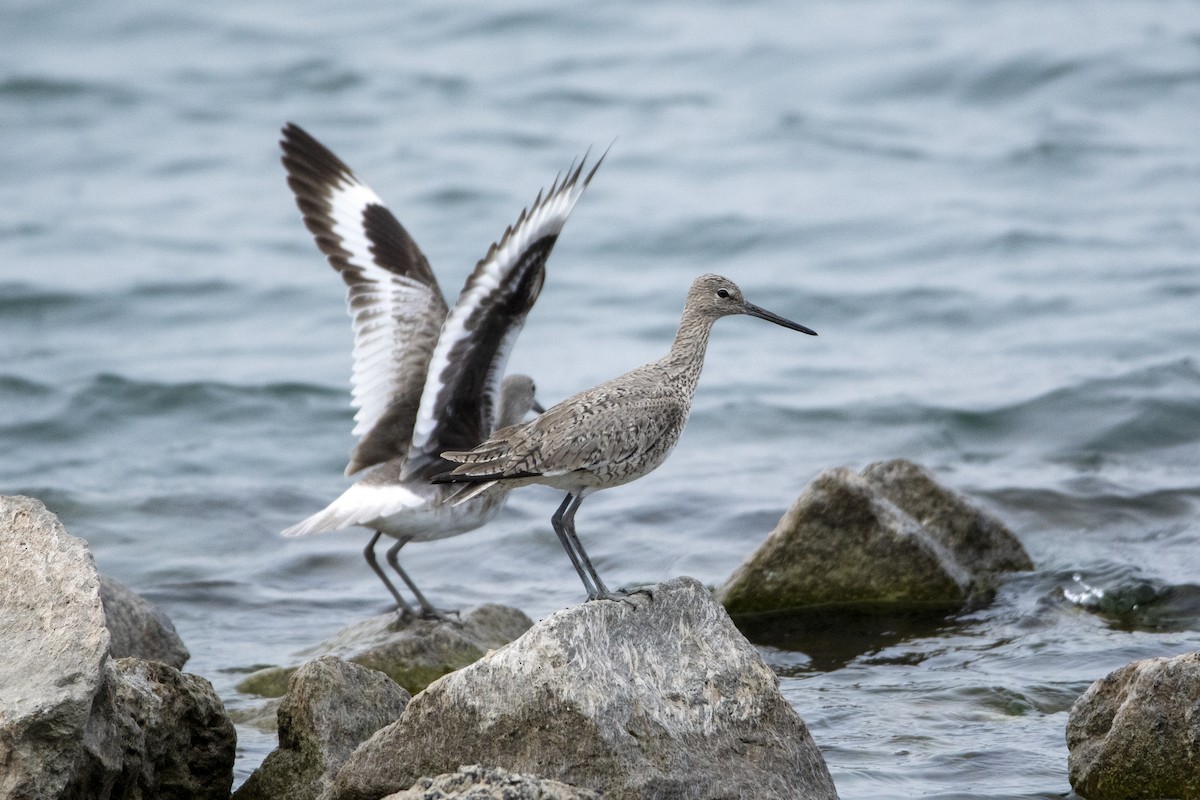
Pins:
x: 564, y: 525
x: 369, y: 554
x: 427, y: 609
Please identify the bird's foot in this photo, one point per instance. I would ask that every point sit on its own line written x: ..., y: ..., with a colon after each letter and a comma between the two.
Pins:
x: 646, y: 590
x: 406, y: 615
x: 622, y: 595
x: 441, y: 614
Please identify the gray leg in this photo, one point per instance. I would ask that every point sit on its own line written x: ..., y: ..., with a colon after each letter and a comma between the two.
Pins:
x: 564, y: 525
x: 556, y: 522
x: 427, y: 610
x: 369, y: 554
x: 568, y: 523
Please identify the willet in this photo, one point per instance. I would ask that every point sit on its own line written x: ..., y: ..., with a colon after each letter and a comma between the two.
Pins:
x: 426, y: 378
x: 610, y: 434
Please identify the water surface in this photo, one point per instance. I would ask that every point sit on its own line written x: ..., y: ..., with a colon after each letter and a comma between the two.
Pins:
x: 989, y: 212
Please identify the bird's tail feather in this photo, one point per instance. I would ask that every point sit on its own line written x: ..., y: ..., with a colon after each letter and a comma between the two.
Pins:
x: 468, y: 491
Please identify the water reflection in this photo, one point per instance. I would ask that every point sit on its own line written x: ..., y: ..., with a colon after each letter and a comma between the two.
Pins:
x: 833, y: 635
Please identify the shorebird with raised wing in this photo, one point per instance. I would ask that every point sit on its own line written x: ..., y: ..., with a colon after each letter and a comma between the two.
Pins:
x: 427, y: 378
x: 611, y: 434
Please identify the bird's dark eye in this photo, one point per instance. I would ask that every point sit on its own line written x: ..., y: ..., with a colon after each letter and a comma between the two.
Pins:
x: 722, y: 293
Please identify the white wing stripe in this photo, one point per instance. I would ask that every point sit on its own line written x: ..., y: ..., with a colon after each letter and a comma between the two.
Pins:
x: 546, y: 218
x: 374, y: 376
x: 373, y: 383
x: 376, y: 305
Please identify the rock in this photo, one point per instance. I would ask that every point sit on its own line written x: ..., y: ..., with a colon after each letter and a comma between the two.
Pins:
x: 978, y: 540
x: 267, y: 682
x: 331, y: 706
x: 889, y: 536
x: 263, y: 717
x: 55, y: 648
x: 74, y: 722
x: 138, y: 628
x: 655, y: 695
x: 155, y: 732
x: 1136, y: 732
x: 412, y: 652
x: 480, y: 783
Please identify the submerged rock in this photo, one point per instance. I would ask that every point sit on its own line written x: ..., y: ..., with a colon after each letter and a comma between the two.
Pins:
x: 889, y: 535
x: 331, y: 706
x: 1136, y: 732
x: 655, y: 695
x: 139, y: 629
x: 481, y: 783
x: 74, y: 721
x: 412, y: 652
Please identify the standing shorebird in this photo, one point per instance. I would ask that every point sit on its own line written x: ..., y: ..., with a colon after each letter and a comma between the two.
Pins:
x: 610, y: 434
x: 426, y: 378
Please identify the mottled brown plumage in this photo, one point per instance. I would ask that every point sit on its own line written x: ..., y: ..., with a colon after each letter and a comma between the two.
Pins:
x: 611, y: 434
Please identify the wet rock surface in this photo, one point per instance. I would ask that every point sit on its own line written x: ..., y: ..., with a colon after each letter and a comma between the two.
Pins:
x: 890, y: 535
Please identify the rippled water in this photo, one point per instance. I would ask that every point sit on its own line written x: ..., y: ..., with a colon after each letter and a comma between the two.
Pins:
x: 989, y: 211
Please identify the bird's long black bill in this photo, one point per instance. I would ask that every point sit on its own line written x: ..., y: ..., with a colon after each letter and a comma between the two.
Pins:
x: 762, y: 313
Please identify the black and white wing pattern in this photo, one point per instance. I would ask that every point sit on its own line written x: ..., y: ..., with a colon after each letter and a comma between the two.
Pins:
x: 394, y: 299
x: 459, y: 405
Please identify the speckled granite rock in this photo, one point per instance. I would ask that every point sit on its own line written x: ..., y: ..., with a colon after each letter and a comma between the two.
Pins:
x: 56, y: 649
x: 654, y: 695
x: 481, y: 783
x: 74, y: 721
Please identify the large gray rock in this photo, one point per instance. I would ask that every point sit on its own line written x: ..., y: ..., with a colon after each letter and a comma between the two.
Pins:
x: 330, y: 708
x: 651, y: 696
x: 139, y: 629
x: 891, y: 535
x: 54, y: 649
x: 412, y: 652
x: 74, y: 722
x: 1136, y: 732
x: 476, y: 782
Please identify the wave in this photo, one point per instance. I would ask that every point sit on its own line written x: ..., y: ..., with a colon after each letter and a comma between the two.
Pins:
x: 42, y: 89
x: 19, y: 298
x: 1146, y: 409
x: 109, y: 403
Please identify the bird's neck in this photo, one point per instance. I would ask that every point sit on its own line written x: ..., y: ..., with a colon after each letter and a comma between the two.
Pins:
x: 686, y: 357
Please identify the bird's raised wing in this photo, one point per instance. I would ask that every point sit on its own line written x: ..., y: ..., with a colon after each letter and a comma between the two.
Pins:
x: 394, y: 299
x: 458, y: 408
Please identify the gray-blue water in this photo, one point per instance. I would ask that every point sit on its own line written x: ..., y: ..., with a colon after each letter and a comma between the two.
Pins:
x: 989, y: 211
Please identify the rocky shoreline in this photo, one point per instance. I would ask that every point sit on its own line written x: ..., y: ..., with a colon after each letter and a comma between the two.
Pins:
x: 655, y: 695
